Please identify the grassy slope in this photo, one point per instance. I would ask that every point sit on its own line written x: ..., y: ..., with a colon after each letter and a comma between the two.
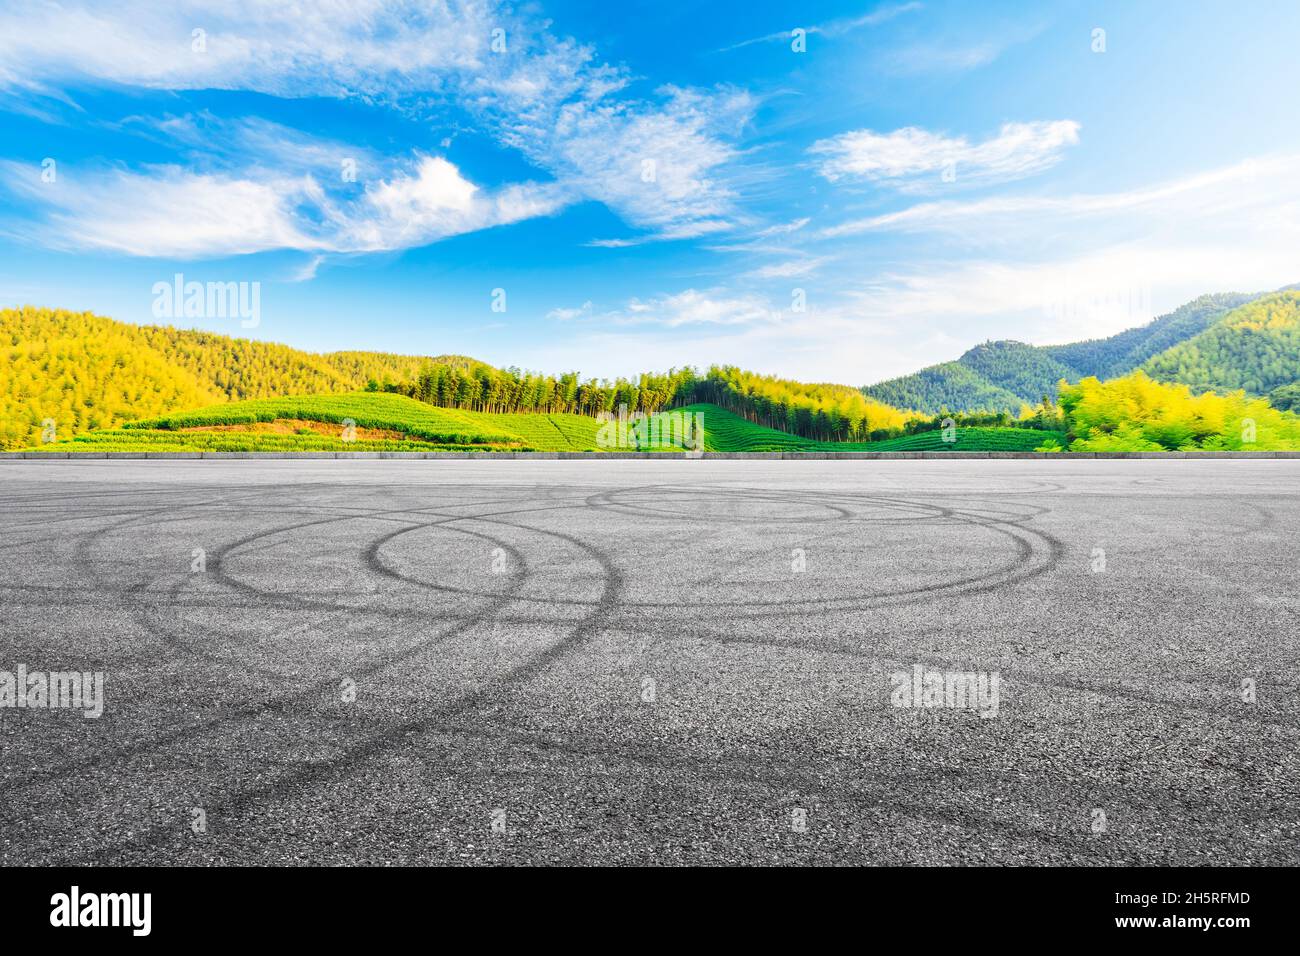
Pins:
x: 725, y: 431
x: 425, y: 427
x: 429, y: 428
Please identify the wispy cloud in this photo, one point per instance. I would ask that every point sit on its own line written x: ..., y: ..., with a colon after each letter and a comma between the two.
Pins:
x: 784, y: 228
x: 569, y: 314
x: 916, y: 159
x: 833, y: 28
x: 1054, y: 269
x: 660, y: 162
x: 658, y: 167
x: 1250, y: 191
x: 789, y: 269
x: 282, y: 49
x: 945, y: 56
x: 690, y: 307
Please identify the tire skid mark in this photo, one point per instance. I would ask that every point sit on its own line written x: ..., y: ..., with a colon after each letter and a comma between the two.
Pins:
x: 318, y: 688
x: 394, y: 737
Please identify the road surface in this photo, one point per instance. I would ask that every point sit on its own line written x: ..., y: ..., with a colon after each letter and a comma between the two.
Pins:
x: 668, y: 662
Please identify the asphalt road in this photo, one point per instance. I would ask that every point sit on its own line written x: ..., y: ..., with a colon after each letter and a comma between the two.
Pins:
x: 653, y: 662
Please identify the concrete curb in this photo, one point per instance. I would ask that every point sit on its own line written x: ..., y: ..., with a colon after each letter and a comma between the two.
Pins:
x: 625, y: 455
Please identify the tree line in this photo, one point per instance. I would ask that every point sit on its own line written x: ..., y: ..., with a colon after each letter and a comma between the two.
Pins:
x: 483, y: 388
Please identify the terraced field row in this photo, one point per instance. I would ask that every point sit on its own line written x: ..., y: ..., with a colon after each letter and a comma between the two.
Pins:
x: 387, y: 422
x: 158, y: 440
x: 363, y: 409
x: 726, y: 431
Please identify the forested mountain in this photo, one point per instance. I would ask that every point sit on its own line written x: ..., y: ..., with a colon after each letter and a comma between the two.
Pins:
x: 949, y: 386
x: 1121, y: 353
x: 83, y: 371
x: 1023, y: 370
x: 1006, y: 375
x: 1255, y: 348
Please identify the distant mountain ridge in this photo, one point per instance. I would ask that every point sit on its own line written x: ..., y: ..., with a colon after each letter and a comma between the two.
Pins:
x: 1005, y: 375
x: 1255, y: 348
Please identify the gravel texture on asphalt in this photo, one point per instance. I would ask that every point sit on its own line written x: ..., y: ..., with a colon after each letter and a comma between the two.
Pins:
x: 664, y: 662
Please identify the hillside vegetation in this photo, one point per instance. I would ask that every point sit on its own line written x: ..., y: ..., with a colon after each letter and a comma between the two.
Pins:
x: 1255, y: 348
x: 83, y: 371
x: 1135, y: 413
x: 1286, y: 398
x: 834, y: 413
x: 818, y: 412
x: 378, y: 421
x: 79, y: 381
x: 726, y: 431
x: 944, y: 387
x: 1122, y: 353
x: 1007, y: 375
x: 487, y: 389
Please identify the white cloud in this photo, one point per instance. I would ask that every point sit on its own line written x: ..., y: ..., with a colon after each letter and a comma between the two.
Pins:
x: 941, y: 59
x: 789, y: 269
x: 168, y: 211
x: 656, y: 167
x: 368, y: 47
x: 1061, y: 299
x: 568, y: 315
x: 546, y: 96
x: 214, y: 143
x: 912, y: 158
x: 689, y: 230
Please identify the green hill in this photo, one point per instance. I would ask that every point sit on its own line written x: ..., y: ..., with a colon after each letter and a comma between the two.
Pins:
x: 726, y: 431
x: 386, y: 422
x: 950, y: 385
x: 82, y: 371
x: 1256, y: 348
x: 1027, y: 372
x: 1005, y: 375
x: 379, y: 422
x: 1122, y: 353
x: 97, y: 382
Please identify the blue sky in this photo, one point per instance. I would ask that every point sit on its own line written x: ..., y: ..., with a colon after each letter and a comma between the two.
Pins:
x: 653, y: 184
